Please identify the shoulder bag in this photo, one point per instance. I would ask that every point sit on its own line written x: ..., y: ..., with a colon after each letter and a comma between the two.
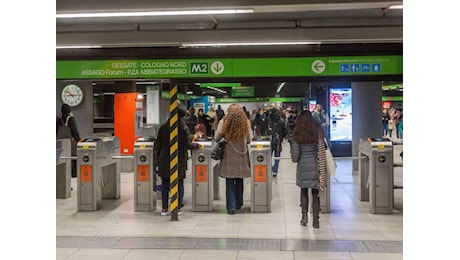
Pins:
x: 330, y: 163
x: 217, y: 152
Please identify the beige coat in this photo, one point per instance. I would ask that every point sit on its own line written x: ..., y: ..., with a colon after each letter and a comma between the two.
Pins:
x: 236, y: 156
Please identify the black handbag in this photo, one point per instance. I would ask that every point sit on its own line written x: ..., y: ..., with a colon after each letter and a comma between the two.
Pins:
x: 218, y: 152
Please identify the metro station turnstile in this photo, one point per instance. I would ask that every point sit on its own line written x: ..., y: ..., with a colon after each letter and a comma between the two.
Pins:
x: 202, y: 177
x: 325, y: 196
x: 98, y: 173
x: 376, y: 174
x: 63, y: 169
x: 144, y: 176
x: 261, y: 179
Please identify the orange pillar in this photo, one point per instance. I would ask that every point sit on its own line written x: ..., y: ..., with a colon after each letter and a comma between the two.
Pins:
x: 124, y: 121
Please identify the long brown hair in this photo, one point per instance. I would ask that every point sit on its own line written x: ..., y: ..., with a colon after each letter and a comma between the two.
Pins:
x: 306, y: 129
x: 236, y: 123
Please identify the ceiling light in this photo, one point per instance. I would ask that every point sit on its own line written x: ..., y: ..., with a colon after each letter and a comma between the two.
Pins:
x: 218, y: 44
x: 155, y: 13
x: 146, y: 83
x: 218, y: 90
x: 78, y: 47
x: 395, y: 7
x: 280, y: 87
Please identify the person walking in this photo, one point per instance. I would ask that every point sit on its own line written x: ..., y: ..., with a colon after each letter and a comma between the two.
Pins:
x: 308, y: 151
x: 391, y: 123
x: 220, y: 113
x: 258, y: 121
x: 190, y: 120
x: 275, y: 127
x: 163, y: 162
x: 397, y: 120
x: 322, y: 118
x: 385, y: 118
x: 65, y: 124
x: 206, y: 120
x: 213, y: 122
x: 235, y: 166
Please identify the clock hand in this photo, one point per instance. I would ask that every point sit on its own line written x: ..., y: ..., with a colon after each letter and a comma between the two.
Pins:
x: 69, y: 93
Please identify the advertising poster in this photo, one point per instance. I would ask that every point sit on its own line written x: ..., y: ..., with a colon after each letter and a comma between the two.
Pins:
x: 340, y: 114
x: 311, y: 105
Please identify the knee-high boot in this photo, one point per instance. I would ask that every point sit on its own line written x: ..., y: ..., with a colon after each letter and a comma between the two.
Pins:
x: 304, y: 202
x: 316, y: 208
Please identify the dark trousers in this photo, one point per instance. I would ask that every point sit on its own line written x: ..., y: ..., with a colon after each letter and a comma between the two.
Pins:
x: 165, y: 186
x: 234, y: 193
x: 304, y: 199
x: 73, y: 166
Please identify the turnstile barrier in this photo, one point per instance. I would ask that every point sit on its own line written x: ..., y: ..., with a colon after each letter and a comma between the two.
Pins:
x: 202, y: 177
x: 325, y: 196
x: 63, y: 169
x: 376, y: 173
x: 261, y: 180
x: 144, y: 176
x: 98, y: 173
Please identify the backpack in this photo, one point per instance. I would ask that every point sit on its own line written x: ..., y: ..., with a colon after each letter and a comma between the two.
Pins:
x: 65, y: 133
x: 273, y: 131
x: 220, y: 114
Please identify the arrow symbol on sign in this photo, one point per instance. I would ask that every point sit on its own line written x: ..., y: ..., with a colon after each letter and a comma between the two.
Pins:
x: 318, y: 66
x: 217, y: 67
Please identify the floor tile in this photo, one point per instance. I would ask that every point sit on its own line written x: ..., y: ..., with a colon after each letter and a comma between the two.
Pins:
x: 209, y: 254
x: 157, y: 254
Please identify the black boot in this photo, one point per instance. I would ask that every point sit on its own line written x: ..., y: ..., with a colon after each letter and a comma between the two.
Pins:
x: 316, y: 215
x: 304, y: 205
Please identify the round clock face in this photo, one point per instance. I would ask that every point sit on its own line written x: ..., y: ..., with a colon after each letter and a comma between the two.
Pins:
x: 72, y: 95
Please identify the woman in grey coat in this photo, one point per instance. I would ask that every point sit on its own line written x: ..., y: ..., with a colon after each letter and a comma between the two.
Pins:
x: 308, y: 151
x: 236, y: 130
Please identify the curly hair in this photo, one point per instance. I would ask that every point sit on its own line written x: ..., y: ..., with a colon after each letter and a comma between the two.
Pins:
x: 236, y: 123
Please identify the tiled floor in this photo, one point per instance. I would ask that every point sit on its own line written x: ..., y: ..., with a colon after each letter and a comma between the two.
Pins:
x: 349, y: 231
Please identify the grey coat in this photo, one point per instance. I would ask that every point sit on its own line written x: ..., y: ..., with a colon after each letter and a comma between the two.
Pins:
x: 236, y: 156
x: 306, y: 157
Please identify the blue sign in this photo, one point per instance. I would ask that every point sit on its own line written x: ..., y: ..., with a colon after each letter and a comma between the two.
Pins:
x: 343, y: 67
x: 366, y: 67
x: 376, y: 67
x: 354, y: 67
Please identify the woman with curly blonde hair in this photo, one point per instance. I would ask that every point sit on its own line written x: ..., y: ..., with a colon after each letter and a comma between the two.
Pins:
x: 236, y: 130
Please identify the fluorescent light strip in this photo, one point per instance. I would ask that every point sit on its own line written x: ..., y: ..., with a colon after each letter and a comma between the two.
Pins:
x: 218, y: 90
x: 396, y: 7
x: 154, y: 13
x: 218, y: 44
x: 280, y: 87
x: 79, y: 47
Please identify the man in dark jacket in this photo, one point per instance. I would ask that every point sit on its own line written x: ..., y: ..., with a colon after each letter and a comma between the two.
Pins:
x: 275, y: 127
x: 220, y: 113
x: 162, y: 150
x: 67, y: 120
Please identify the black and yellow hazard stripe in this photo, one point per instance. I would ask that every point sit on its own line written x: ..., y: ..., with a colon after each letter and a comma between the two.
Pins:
x: 173, y: 151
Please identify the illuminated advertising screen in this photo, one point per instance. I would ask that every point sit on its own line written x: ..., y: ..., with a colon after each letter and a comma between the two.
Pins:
x: 340, y: 114
x: 311, y: 105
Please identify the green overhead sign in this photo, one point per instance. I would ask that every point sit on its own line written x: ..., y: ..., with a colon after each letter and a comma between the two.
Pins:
x: 232, y: 67
x: 243, y: 91
x: 262, y: 99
